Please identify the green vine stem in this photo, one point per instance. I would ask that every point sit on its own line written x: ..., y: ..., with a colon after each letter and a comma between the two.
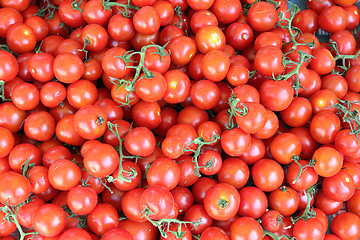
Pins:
x: 108, y: 5
x: 164, y: 224
x: 75, y: 5
x: 11, y: 216
x: 179, y: 13
x: 275, y: 237
x: 113, y: 128
x: 309, y: 211
x: 25, y: 167
x: 345, y: 66
x: 84, y: 182
x: 48, y: 8
x: 296, y: 160
x: 2, y: 92
x: 349, y: 115
x: 200, y: 142
x: 140, y: 68
x: 86, y: 42
x: 82, y: 219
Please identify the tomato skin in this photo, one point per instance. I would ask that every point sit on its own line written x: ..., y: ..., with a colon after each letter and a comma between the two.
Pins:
x: 327, y: 205
x: 298, y: 113
x: 164, y: 172
x: 139, y: 231
x: 193, y: 214
x: 235, y: 142
x: 267, y: 174
x: 323, y: 63
x: 64, y: 174
x: 328, y: 161
x: 39, y: 126
x: 352, y: 204
x: 268, y: 61
x: 226, y: 11
x: 9, y: 67
x: 25, y: 213
x: 255, y: 118
x: 213, y: 201
x: 209, y: 38
x: 214, y: 233
x: 103, y: 218
x: 49, y: 220
x: 81, y: 200
x: 253, y: 202
x: 346, y: 225
x: 140, y: 141
x: 309, y: 229
x: 339, y: 187
x: 246, y: 228
x: 182, y: 50
x: 7, y: 142
x: 336, y: 22
x: 205, y: 94
x: 117, y: 233
x: 284, y: 200
x: 68, y: 67
x: 25, y: 96
x: 14, y: 188
x: 101, y: 160
x: 276, y: 95
x: 21, y: 38
x: 262, y: 16
x: 158, y: 200
x: 77, y: 233
x: 324, y: 127
x: 284, y: 146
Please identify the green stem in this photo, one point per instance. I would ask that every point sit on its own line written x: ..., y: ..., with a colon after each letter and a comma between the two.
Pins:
x: 108, y: 5
x: 296, y: 160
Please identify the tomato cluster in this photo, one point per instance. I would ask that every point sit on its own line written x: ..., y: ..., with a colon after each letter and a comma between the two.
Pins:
x: 179, y: 119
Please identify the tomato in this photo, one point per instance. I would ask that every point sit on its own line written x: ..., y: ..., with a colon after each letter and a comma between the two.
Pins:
x: 346, y: 225
x: 103, y: 218
x: 21, y: 38
x: 39, y: 126
x: 77, y: 233
x: 140, y: 141
x: 214, y: 233
x: 25, y: 213
x: 209, y: 38
x: 279, y: 90
x: 271, y: 126
x: 157, y: 202
x: 284, y: 146
x: 25, y: 96
x: 298, y: 113
x: 262, y: 16
x: 254, y: 119
x: 307, y: 21
x: 268, y: 61
x: 324, y: 127
x: 327, y: 205
x: 182, y: 49
x: 38, y: 177
x: 306, y: 179
x: 193, y: 214
x: 351, y: 78
x: 205, y: 94
x: 267, y: 174
x: 328, y: 161
x: 49, y: 220
x: 163, y: 172
x: 353, y: 18
x: 7, y: 142
x: 285, y: 200
x: 11, y: 17
x: 339, y: 187
x: 323, y: 62
x: 81, y: 200
x: 323, y: 100
x: 90, y: 122
x: 117, y: 233
x: 81, y: 93
x: 222, y: 201
x: 309, y: 229
x: 253, y: 202
x: 64, y: 174
x: 202, y: 18
x: 235, y: 142
x: 139, y: 231
x: 336, y: 22
x: 335, y: 83
x: 226, y: 11
x: 96, y: 35
x: 68, y: 67
x: 270, y: 220
x: 72, y: 13
x: 246, y: 228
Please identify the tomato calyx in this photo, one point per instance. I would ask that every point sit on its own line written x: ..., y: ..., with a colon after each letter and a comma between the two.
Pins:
x: 132, y: 171
x: 48, y: 8
x: 2, y: 93
x: 76, y: 5
x: 222, y: 203
x: 236, y: 109
x: 296, y: 160
x: 11, y: 216
x: 200, y: 142
x: 81, y: 218
x: 100, y: 120
x: 349, y: 115
x: 108, y: 5
x: 84, y: 182
x: 164, y: 224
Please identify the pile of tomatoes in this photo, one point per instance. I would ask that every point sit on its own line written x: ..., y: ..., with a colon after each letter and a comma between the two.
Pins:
x: 179, y: 119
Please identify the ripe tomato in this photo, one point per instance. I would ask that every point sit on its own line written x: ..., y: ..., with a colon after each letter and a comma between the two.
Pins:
x: 328, y: 161
x: 222, y: 201
x: 49, y: 220
x: 64, y: 174
x: 246, y: 228
x: 14, y: 188
x: 267, y: 174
